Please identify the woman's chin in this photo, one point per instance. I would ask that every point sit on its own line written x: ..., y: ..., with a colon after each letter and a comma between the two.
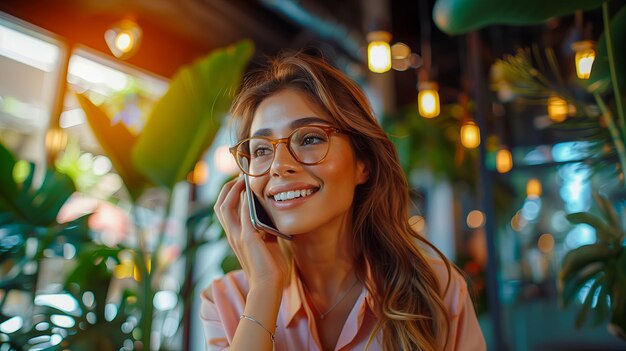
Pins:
x: 294, y: 228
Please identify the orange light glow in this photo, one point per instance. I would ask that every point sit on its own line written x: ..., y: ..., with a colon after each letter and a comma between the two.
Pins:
x: 428, y: 99
x: 504, y: 160
x: 533, y: 188
x: 470, y: 135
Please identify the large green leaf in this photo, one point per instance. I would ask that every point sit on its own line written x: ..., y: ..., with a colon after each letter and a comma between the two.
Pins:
x: 8, y: 187
x: 117, y: 141
x: 183, y: 123
x: 35, y: 206
x: 461, y: 16
x: 600, y: 79
x: 607, y: 210
x: 580, y: 257
x: 618, y: 310
x: 570, y: 288
x: 587, y: 304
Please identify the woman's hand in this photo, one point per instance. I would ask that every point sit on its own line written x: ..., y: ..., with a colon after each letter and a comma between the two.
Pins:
x: 258, y: 253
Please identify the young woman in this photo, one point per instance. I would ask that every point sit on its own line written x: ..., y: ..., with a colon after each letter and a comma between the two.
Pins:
x: 355, y: 276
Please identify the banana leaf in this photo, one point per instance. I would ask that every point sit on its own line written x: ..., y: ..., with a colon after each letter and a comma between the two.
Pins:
x: 461, y: 16
x: 600, y: 79
x: 183, y: 123
x: 117, y: 141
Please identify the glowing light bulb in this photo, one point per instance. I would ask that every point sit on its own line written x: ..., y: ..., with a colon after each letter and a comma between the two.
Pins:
x: 379, y: 51
x: 470, y: 135
x: 428, y: 99
x: 123, y: 38
x: 504, y: 160
x: 585, y: 55
x: 557, y: 108
x: 124, y: 42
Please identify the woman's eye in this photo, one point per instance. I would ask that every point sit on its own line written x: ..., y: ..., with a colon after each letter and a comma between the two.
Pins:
x: 261, y: 151
x: 312, y: 139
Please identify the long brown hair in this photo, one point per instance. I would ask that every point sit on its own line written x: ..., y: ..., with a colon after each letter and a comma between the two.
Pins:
x: 408, y: 295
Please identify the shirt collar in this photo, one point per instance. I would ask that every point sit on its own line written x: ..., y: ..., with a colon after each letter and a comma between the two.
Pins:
x: 294, y: 293
x: 292, y: 301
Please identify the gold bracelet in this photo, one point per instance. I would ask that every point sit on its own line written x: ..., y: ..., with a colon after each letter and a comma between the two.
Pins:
x: 272, y: 335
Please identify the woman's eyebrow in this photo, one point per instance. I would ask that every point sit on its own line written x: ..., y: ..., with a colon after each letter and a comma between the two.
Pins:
x: 305, y: 121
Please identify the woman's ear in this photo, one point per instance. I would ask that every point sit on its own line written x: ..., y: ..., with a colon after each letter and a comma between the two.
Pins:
x: 363, y: 171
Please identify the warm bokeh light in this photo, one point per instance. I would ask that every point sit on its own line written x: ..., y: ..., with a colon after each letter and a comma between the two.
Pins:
x: 504, y: 160
x: 557, y: 108
x: 475, y: 219
x: 517, y: 222
x: 200, y: 173
x: 546, y: 243
x: 123, y: 38
x: 379, y: 51
x: 428, y: 99
x: 533, y: 188
x: 470, y: 135
x: 124, y: 41
x: 224, y: 161
x: 56, y: 140
x: 400, y: 51
x: 585, y: 55
x: 400, y: 56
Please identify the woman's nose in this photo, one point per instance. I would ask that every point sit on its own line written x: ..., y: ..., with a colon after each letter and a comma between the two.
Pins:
x: 284, y: 162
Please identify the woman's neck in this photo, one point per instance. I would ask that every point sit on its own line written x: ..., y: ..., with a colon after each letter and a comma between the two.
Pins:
x: 324, y: 259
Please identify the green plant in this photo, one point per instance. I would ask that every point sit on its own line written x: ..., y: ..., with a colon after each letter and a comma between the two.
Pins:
x: 603, y: 264
x: 432, y: 144
x: 599, y: 269
x: 607, y: 76
x: 28, y: 220
x: 179, y: 129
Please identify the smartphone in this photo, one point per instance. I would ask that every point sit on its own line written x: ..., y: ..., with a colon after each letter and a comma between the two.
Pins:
x: 258, y: 216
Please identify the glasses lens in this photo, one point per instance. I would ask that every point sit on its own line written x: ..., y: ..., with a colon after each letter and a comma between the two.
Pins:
x: 255, y: 155
x: 309, y: 144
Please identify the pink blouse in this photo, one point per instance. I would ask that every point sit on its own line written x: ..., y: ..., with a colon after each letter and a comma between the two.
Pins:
x: 296, y: 326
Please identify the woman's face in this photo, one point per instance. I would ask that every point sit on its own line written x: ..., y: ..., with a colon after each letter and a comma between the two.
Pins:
x: 331, y: 183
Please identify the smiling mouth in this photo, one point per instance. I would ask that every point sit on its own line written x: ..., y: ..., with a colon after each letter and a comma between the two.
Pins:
x: 293, y: 194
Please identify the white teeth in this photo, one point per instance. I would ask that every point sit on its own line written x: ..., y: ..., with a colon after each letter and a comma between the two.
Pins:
x: 292, y: 194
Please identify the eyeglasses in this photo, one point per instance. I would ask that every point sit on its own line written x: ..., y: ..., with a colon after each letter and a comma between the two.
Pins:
x: 309, y: 145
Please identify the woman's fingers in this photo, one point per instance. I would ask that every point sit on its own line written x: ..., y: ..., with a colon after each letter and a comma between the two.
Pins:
x: 222, y: 195
x: 227, y: 210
